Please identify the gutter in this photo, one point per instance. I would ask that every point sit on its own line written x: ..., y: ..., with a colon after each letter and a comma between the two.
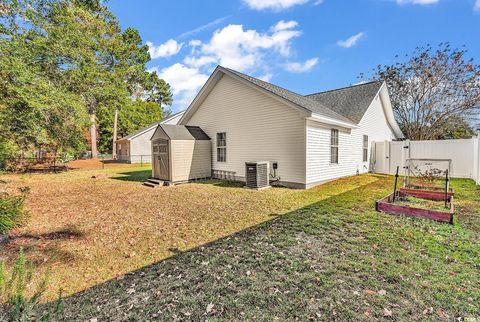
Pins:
x: 327, y: 120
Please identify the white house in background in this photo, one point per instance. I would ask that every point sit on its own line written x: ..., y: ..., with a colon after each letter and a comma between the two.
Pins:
x: 136, y: 148
x: 312, y: 139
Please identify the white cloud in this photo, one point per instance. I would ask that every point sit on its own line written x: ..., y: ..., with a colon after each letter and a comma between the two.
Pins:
x: 247, y: 50
x: 318, y: 2
x: 284, y: 25
x: 185, y: 82
x: 272, y: 4
x: 352, y: 41
x: 420, y: 2
x: 266, y: 77
x: 242, y: 49
x: 169, y: 48
x: 476, y: 6
x: 204, y: 27
x: 297, y: 67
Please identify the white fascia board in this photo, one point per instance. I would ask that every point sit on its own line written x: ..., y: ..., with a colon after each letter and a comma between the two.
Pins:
x: 328, y: 120
x: 388, y: 109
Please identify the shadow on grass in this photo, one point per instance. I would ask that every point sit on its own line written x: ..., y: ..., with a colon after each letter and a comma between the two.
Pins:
x: 136, y: 176
x: 39, y: 247
x: 221, y: 183
x: 191, y: 277
x: 313, y: 263
x: 66, y: 233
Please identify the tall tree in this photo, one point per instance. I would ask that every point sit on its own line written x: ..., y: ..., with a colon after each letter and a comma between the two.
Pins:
x: 432, y: 90
x: 63, y: 63
x: 36, y: 111
x: 132, y: 57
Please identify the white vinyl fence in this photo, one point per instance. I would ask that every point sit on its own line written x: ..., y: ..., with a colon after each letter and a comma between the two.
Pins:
x: 464, y: 154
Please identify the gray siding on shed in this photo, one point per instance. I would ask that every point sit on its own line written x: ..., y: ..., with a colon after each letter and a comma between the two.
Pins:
x: 189, y: 158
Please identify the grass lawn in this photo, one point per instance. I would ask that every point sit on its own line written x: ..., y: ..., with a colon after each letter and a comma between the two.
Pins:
x: 415, y: 202
x: 218, y: 251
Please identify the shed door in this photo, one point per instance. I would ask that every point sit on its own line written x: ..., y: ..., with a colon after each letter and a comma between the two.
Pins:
x: 163, y: 165
x: 160, y: 160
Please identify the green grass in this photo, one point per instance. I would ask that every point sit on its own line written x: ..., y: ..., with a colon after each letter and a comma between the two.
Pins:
x: 11, y: 212
x: 415, y: 202
x: 330, y: 259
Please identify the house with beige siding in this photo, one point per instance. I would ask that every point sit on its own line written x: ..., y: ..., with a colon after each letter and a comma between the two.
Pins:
x: 311, y: 139
x: 136, y: 147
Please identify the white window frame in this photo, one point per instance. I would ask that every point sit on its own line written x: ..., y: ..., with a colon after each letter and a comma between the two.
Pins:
x: 334, y: 146
x: 365, y: 148
x: 222, y: 146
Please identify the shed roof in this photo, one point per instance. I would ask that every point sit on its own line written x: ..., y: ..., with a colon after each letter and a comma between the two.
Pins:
x: 183, y: 132
x: 351, y: 102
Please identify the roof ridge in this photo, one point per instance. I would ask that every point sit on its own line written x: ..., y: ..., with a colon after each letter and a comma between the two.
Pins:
x: 236, y: 71
x: 338, y: 115
x: 345, y: 87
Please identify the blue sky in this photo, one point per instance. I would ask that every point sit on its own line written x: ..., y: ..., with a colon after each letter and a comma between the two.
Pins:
x: 303, y: 45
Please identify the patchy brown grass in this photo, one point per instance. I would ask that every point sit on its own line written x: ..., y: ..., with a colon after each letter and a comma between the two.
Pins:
x: 85, y: 231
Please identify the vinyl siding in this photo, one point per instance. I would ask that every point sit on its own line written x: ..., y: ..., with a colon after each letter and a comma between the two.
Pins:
x: 140, y: 147
x: 190, y: 159
x: 174, y: 120
x: 350, y: 160
x: 258, y: 128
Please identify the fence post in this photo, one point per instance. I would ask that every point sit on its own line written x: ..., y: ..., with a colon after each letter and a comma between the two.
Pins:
x: 141, y: 160
x: 477, y: 164
x: 395, y: 186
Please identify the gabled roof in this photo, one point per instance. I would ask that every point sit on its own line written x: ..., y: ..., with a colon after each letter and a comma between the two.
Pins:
x: 171, y: 117
x: 302, y: 101
x: 351, y: 102
x: 182, y: 132
x: 343, y: 107
x: 149, y: 127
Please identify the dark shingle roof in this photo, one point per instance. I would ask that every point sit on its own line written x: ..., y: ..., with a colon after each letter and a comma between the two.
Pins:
x: 302, y: 101
x: 197, y: 132
x: 351, y: 102
x: 182, y: 132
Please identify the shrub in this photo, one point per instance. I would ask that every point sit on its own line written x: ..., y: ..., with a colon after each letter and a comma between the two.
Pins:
x: 11, y: 210
x: 15, y: 305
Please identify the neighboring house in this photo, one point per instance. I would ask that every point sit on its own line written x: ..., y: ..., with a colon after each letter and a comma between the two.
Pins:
x: 136, y: 147
x: 313, y: 138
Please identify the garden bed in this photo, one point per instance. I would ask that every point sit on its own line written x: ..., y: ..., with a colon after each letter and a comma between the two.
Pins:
x: 429, y: 194
x: 418, y: 203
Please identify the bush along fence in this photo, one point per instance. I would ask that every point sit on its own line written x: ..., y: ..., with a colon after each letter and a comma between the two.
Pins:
x: 60, y: 163
x: 35, y: 164
x: 463, y: 155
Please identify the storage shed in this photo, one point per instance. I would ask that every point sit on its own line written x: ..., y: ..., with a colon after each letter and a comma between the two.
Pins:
x: 180, y: 153
x: 136, y: 147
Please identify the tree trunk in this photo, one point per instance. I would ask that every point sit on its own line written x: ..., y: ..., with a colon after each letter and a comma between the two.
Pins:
x: 93, y: 135
x: 114, y: 146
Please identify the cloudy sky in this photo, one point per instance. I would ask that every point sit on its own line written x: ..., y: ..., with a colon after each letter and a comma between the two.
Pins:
x: 303, y: 45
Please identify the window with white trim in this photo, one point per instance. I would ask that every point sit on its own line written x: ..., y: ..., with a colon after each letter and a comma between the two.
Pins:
x: 334, y: 146
x: 365, y: 148
x: 222, y: 147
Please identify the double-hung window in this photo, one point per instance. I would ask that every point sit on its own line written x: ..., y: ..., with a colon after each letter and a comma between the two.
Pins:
x: 365, y: 148
x: 334, y: 146
x: 222, y: 147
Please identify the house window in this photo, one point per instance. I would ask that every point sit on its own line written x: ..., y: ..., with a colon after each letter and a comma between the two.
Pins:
x: 334, y: 146
x: 222, y: 147
x: 365, y: 148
